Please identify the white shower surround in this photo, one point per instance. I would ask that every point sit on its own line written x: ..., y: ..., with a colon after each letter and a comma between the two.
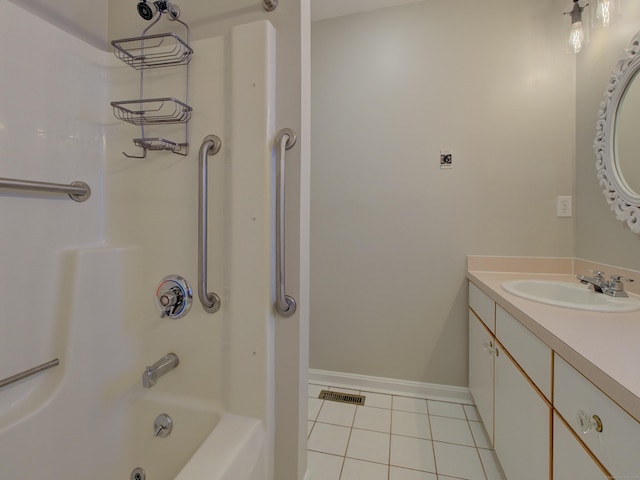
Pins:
x: 78, y: 279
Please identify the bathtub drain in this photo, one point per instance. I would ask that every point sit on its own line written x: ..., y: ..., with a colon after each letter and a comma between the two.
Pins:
x: 342, y: 397
x: 138, y: 474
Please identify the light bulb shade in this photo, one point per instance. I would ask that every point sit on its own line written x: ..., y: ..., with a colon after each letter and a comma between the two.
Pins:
x: 579, y: 31
x: 605, y: 12
x: 576, y: 37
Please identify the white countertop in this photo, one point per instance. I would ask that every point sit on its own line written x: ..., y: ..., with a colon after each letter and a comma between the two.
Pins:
x: 604, y: 347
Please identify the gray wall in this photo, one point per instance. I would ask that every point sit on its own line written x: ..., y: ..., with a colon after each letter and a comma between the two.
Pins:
x: 390, y: 230
x: 599, y: 236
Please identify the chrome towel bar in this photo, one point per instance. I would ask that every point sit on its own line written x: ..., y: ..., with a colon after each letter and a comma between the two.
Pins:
x: 285, y: 305
x: 210, y: 301
x: 78, y: 191
x: 29, y: 373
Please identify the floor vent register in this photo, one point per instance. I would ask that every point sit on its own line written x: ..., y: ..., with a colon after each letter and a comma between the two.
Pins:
x: 342, y: 397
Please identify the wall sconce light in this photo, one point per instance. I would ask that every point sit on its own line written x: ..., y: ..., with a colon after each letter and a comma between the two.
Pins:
x: 576, y: 36
x: 605, y: 13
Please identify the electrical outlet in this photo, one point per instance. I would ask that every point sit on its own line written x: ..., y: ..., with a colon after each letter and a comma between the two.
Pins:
x: 563, y: 206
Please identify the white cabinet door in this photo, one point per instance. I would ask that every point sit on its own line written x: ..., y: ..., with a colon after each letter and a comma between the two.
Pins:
x: 615, y: 442
x: 570, y: 460
x: 481, y: 370
x: 522, y: 424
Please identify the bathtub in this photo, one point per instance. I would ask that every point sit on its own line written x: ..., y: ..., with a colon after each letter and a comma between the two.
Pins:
x: 53, y: 429
x: 233, y: 451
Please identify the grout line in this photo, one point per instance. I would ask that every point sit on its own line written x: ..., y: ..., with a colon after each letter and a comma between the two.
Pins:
x: 433, y: 443
x: 486, y: 475
x: 344, y: 459
x: 391, y: 410
x: 390, y: 437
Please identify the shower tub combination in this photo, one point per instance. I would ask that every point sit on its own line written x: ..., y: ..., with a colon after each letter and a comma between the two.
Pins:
x: 90, y: 415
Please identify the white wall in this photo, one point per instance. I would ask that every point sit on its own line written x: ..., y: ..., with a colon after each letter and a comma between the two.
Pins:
x: 85, y: 19
x: 291, y: 21
x: 390, y: 230
x: 51, y: 130
x: 599, y: 236
x: 55, y: 100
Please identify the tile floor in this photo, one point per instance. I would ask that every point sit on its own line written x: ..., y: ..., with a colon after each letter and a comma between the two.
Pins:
x: 393, y: 437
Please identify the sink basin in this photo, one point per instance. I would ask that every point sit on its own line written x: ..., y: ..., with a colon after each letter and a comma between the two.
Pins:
x: 569, y: 295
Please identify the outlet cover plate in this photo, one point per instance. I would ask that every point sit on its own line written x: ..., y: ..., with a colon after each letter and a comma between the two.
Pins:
x: 563, y: 206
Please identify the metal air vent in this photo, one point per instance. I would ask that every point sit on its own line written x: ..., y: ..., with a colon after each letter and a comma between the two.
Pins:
x: 342, y: 397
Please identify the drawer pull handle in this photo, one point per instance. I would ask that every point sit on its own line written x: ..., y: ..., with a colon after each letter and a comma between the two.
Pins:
x: 490, y: 348
x: 589, y: 424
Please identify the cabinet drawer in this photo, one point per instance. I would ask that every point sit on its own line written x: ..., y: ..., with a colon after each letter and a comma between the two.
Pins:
x: 533, y: 356
x: 570, y: 459
x: 483, y: 305
x: 616, y: 446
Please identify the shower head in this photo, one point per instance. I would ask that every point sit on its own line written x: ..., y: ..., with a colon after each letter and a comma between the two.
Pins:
x: 147, y: 10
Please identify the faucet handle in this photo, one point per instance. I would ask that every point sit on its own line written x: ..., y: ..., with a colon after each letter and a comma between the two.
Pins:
x: 170, y: 301
x: 620, y: 278
x: 597, y: 273
x: 616, y: 286
x: 173, y: 297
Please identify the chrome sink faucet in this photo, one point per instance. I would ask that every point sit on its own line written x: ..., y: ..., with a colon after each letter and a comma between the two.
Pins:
x: 598, y: 282
x: 161, y: 367
x: 613, y: 288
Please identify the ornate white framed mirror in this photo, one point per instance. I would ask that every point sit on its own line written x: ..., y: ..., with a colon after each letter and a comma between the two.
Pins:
x: 617, y: 143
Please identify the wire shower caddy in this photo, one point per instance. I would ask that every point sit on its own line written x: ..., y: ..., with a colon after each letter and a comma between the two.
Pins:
x: 148, y: 52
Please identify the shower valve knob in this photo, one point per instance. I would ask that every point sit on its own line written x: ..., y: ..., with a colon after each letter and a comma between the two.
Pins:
x: 169, y: 300
x: 174, y: 297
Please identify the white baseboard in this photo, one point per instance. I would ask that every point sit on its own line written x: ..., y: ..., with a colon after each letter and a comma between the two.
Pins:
x: 406, y: 388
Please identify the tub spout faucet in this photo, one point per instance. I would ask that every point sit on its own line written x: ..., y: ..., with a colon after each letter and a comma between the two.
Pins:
x: 161, y: 367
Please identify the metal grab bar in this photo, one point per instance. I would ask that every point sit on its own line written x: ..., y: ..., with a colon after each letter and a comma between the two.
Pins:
x: 270, y: 5
x: 210, y: 301
x: 28, y: 373
x: 78, y: 191
x: 285, y: 305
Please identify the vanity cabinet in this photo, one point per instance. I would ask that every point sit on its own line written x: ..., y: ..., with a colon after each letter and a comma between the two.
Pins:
x: 514, y: 410
x: 546, y: 419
